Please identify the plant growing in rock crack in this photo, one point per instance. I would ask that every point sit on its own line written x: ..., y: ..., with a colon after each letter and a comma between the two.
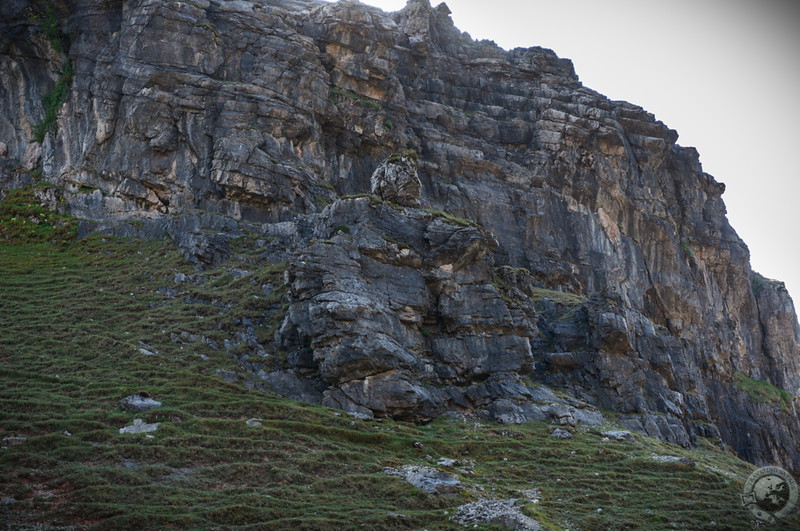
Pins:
x: 687, y: 250
x: 450, y: 218
x: 762, y: 391
x: 57, y: 96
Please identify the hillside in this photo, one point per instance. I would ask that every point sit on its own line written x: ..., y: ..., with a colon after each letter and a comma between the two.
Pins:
x: 285, y: 203
x: 79, y: 336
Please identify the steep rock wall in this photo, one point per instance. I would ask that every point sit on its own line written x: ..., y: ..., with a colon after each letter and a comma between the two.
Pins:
x: 270, y: 111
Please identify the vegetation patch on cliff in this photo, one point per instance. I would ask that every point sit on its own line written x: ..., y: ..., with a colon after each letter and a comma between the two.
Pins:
x: 57, y: 96
x: 450, y: 218
x: 22, y: 217
x: 761, y: 391
x: 758, y: 282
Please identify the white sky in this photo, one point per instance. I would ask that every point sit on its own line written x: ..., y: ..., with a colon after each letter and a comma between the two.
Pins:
x: 723, y: 73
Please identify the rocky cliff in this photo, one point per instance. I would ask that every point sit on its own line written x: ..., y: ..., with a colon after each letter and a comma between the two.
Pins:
x: 464, y: 225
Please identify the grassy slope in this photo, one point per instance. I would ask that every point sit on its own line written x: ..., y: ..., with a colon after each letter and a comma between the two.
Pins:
x: 73, y: 318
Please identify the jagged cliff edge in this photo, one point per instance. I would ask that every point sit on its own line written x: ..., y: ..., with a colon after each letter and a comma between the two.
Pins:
x: 523, y: 228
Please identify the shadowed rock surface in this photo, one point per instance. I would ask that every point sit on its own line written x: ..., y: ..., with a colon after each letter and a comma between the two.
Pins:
x: 539, y: 234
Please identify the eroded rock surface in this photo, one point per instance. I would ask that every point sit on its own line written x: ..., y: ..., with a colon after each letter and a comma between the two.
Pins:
x: 543, y: 234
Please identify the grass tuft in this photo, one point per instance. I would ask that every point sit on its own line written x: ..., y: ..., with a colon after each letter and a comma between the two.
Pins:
x: 450, y: 218
x: 761, y: 391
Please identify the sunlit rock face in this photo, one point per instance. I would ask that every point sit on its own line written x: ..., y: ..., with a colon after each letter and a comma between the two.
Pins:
x: 523, y: 228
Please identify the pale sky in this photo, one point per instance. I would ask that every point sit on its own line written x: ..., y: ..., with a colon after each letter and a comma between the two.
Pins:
x: 723, y: 73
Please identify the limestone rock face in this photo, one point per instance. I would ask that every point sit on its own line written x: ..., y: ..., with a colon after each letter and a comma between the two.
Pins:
x: 544, y: 234
x: 396, y: 308
x: 397, y: 180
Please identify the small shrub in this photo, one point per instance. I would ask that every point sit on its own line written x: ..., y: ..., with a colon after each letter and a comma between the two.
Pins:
x: 52, y: 102
x: 48, y: 23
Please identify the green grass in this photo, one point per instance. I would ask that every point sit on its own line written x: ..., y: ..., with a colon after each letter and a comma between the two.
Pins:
x: 761, y: 391
x: 74, y: 317
x: 537, y: 295
x: 23, y: 217
x: 559, y: 297
x: 450, y: 218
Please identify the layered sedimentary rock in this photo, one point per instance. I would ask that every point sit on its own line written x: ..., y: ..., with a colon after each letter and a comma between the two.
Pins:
x: 523, y: 230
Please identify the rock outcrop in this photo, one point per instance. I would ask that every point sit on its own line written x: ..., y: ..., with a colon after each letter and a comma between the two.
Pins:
x: 522, y: 228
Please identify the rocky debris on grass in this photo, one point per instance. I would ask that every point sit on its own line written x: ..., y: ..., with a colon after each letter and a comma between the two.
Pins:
x: 139, y: 426
x: 146, y: 349
x: 427, y: 479
x: 560, y: 433
x: 502, y: 513
x: 14, y: 440
x: 618, y: 435
x: 532, y: 495
x: 673, y: 459
x: 139, y: 402
x: 253, y: 422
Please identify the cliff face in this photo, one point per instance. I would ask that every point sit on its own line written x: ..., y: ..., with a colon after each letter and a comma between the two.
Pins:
x: 523, y: 229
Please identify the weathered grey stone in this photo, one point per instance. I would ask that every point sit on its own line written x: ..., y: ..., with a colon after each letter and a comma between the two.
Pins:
x: 673, y: 459
x: 139, y: 426
x: 139, y: 402
x: 560, y: 433
x: 618, y: 435
x: 396, y: 180
x: 588, y: 417
x: 502, y: 513
x: 563, y: 414
x: 428, y: 479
